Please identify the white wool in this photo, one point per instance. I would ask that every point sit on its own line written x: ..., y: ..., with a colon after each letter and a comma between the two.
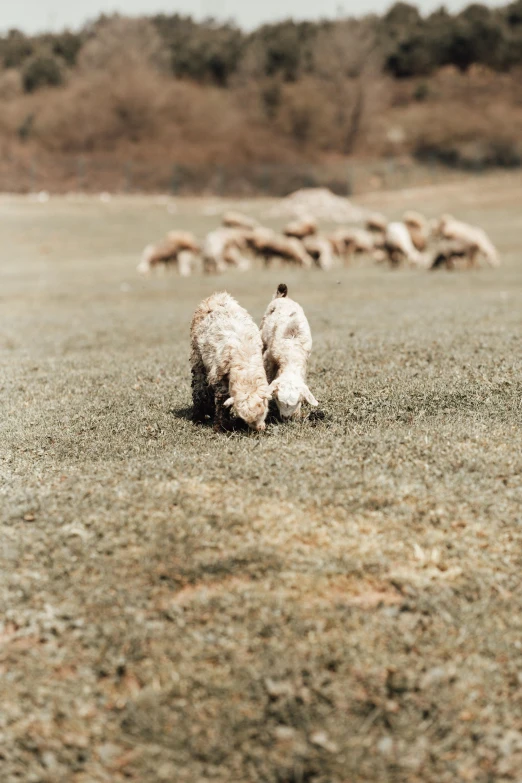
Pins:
x: 227, y: 342
x: 321, y: 251
x: 300, y: 229
x: 168, y: 251
x: 397, y: 237
x: 473, y: 237
x: 144, y: 266
x: 287, y: 344
x: 226, y: 247
x: 185, y: 263
x: 269, y: 244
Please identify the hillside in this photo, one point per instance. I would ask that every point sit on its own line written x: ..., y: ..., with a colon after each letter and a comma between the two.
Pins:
x: 440, y: 89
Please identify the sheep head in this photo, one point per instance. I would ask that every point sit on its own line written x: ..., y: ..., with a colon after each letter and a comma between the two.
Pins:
x: 252, y: 408
x: 290, y: 391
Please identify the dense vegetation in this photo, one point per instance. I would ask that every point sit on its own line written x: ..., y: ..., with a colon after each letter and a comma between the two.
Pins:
x: 213, y: 53
x: 442, y: 86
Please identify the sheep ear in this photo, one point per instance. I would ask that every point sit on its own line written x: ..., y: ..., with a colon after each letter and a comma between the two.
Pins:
x: 273, y: 388
x: 309, y: 397
x: 228, y: 403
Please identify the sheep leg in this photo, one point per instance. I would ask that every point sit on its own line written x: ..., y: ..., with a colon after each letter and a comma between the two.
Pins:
x: 222, y: 414
x: 201, y: 392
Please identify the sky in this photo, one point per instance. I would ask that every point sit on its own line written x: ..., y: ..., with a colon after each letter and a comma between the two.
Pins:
x: 38, y: 15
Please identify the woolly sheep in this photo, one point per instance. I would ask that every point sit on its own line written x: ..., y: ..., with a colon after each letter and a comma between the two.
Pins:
x: 450, y: 254
x: 398, y: 244
x: 376, y: 223
x: 227, y: 364
x: 418, y: 228
x: 269, y: 245
x: 287, y: 344
x: 225, y: 247
x: 320, y: 250
x: 351, y: 241
x: 473, y: 237
x: 168, y: 252
x: 299, y: 229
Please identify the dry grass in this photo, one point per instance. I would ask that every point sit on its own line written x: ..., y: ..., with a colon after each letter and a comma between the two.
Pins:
x: 335, y: 601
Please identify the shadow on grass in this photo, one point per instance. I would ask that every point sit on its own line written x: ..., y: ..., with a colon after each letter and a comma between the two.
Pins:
x: 185, y: 413
x: 314, y: 417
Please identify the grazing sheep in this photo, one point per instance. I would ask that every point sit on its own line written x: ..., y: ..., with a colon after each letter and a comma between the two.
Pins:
x: 269, y: 245
x: 320, y: 249
x: 474, y: 238
x: 398, y: 245
x: 227, y: 364
x: 376, y: 223
x: 418, y: 227
x: 238, y: 220
x: 347, y: 242
x: 287, y: 344
x: 225, y: 247
x: 299, y: 229
x: 450, y: 254
x: 168, y: 253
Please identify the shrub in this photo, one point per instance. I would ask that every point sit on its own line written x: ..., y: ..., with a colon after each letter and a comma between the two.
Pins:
x: 42, y: 70
x: 15, y: 49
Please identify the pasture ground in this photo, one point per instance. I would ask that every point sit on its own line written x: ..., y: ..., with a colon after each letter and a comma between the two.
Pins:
x: 335, y: 601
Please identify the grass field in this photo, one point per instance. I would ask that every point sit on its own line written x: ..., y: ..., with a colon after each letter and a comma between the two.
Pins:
x: 335, y: 601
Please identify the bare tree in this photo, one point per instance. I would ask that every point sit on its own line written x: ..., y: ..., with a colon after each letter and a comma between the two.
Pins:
x: 348, y: 58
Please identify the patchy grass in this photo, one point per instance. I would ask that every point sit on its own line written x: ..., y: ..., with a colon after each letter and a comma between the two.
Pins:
x: 335, y: 601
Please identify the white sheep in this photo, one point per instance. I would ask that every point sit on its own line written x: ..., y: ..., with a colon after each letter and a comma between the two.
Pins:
x: 227, y: 364
x: 347, y: 242
x: 449, y: 254
x: 474, y: 238
x: 299, y: 229
x: 225, y: 247
x: 376, y: 223
x: 287, y: 344
x: 269, y: 245
x: 168, y: 253
x: 398, y: 245
x: 320, y: 249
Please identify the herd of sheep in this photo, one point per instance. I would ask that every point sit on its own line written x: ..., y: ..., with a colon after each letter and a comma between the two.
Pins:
x: 238, y: 367
x: 240, y: 240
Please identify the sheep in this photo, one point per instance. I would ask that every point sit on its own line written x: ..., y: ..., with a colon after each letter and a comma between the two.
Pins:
x: 227, y: 364
x: 287, y: 344
x: 225, y: 247
x: 376, y: 223
x: 168, y: 252
x: 419, y: 229
x: 398, y: 245
x: 269, y: 245
x: 299, y: 229
x: 238, y: 220
x: 474, y: 238
x: 352, y: 241
x: 450, y: 254
x: 320, y: 249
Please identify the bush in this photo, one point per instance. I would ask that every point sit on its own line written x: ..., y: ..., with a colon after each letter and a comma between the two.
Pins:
x: 15, y: 49
x: 42, y: 70
x: 206, y: 52
x: 66, y: 46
